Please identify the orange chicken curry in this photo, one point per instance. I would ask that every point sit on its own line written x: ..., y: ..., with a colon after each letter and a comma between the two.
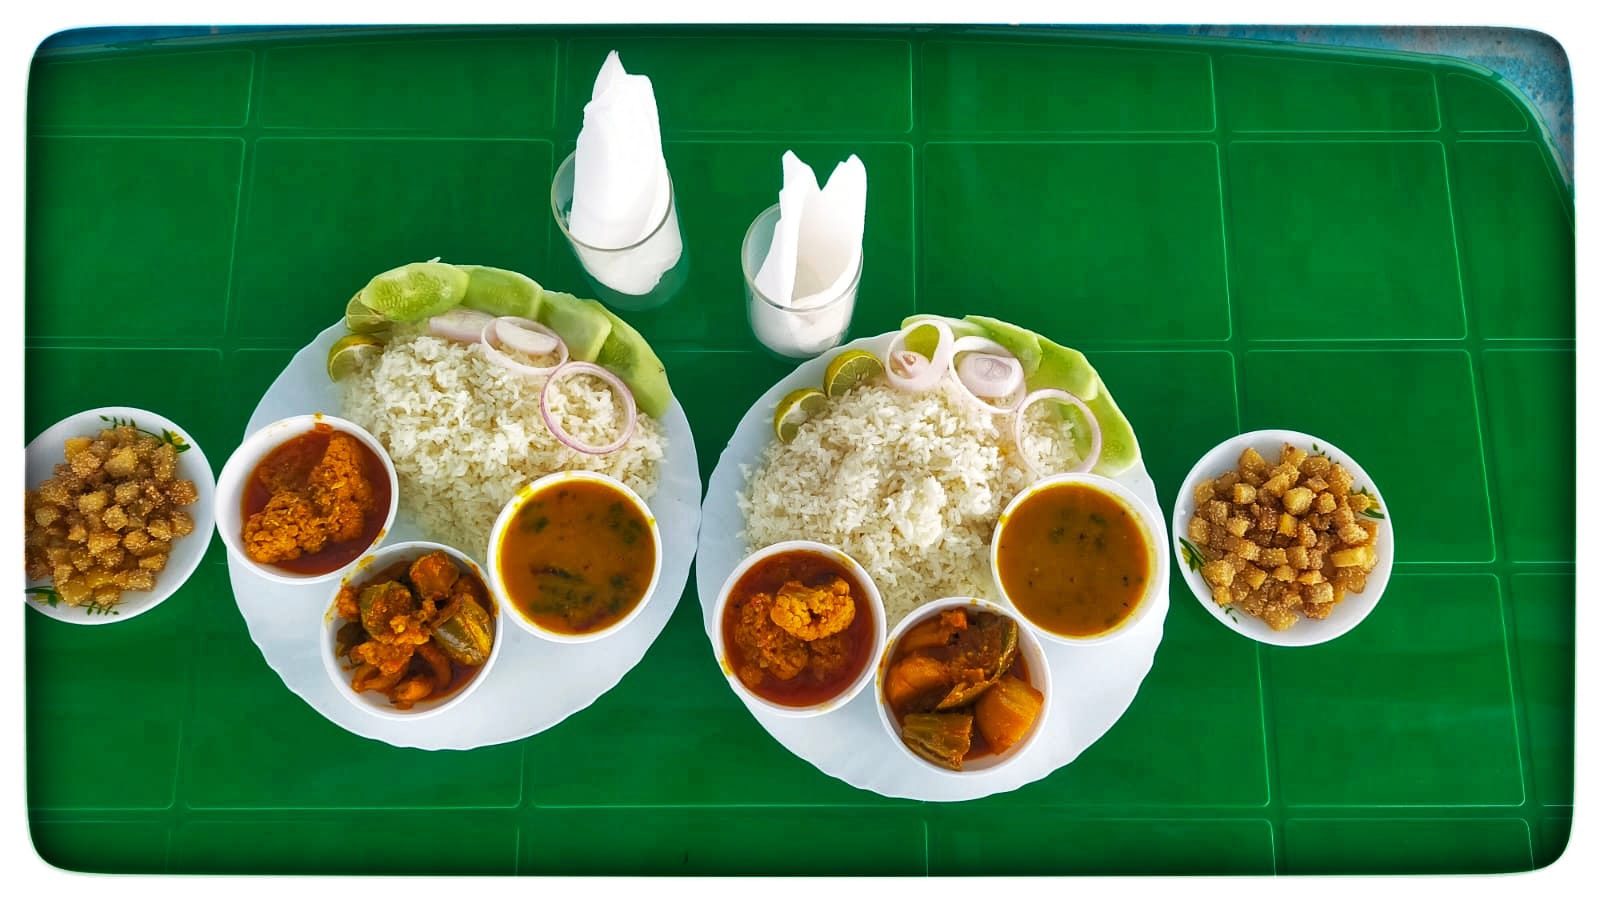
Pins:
x: 798, y: 628
x: 314, y: 503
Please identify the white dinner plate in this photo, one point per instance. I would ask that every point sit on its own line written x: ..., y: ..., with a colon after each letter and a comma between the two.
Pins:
x: 1094, y: 685
x: 534, y: 684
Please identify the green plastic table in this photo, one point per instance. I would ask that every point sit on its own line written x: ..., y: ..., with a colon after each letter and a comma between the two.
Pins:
x: 1372, y: 248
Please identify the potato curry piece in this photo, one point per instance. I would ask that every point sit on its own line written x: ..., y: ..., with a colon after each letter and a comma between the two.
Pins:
x: 959, y: 688
x: 1073, y: 560
x: 314, y: 503
x: 416, y: 632
x: 106, y: 519
x: 797, y: 628
x: 577, y: 557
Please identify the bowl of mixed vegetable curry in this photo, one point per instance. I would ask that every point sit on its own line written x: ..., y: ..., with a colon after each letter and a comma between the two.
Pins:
x: 412, y: 631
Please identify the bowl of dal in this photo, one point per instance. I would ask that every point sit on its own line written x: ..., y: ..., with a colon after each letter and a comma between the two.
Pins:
x: 574, y: 556
x: 1076, y: 556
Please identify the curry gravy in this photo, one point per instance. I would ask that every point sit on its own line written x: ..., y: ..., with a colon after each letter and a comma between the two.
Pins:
x: 577, y: 557
x: 1073, y: 560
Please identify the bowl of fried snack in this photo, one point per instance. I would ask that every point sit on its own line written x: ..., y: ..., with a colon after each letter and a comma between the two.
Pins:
x: 1283, y: 537
x: 118, y: 514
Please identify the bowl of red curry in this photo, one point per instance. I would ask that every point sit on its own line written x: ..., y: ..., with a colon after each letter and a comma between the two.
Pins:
x: 303, y: 498
x: 799, y: 628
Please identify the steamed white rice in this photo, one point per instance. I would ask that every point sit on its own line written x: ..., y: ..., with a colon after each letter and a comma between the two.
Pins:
x: 910, y: 485
x: 465, y: 434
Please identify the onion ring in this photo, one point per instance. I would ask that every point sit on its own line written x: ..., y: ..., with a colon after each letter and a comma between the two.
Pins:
x: 630, y: 409
x: 462, y: 325
x: 971, y: 397
x: 920, y: 373
x: 1017, y: 428
x: 526, y: 336
x: 495, y: 354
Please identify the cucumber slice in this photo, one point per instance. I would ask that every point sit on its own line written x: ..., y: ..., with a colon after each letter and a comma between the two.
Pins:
x: 626, y: 354
x: 414, y: 291
x: 1065, y: 369
x: 1119, y: 449
x: 501, y: 292
x: 584, y: 330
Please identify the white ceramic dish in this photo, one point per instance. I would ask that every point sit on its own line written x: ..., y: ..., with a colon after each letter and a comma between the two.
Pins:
x: 46, y: 450
x: 874, y: 600
x: 1149, y: 524
x: 1345, y: 615
x: 509, y: 513
x: 339, y: 670
x: 280, y: 616
x: 1038, y: 673
x: 850, y: 744
x: 255, y: 447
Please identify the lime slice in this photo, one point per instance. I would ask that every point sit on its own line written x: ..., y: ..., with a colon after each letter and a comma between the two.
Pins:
x: 415, y: 291
x: 363, y: 319
x: 351, y: 352
x: 794, y: 409
x: 849, y: 369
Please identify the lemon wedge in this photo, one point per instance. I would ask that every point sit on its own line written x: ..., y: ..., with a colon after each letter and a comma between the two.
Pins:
x: 794, y: 410
x: 360, y: 318
x: 849, y: 369
x: 351, y: 352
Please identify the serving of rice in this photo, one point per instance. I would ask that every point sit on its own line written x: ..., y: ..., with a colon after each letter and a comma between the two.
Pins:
x: 910, y: 485
x: 465, y: 433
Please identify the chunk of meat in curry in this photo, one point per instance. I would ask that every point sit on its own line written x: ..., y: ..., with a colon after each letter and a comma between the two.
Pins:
x: 395, y: 624
x: 769, y: 649
x: 284, y: 530
x: 434, y: 575
x: 328, y: 503
x: 812, y: 613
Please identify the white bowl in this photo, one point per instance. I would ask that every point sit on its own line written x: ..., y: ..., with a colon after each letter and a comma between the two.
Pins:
x: 230, y: 490
x: 1346, y: 614
x: 372, y: 701
x: 509, y: 512
x: 1038, y: 674
x: 1143, y: 517
x: 48, y: 449
x: 874, y: 600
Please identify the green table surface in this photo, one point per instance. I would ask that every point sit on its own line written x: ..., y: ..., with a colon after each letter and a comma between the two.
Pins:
x: 1375, y: 249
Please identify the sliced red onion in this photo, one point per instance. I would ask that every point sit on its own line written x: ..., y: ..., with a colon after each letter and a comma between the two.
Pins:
x: 973, y: 343
x: 490, y: 338
x: 1018, y: 427
x: 911, y: 371
x: 986, y: 368
x: 630, y: 411
x: 1007, y: 402
x: 526, y: 335
x: 989, y: 374
x: 462, y: 325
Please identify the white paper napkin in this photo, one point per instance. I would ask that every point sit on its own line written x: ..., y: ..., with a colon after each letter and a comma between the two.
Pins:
x: 620, y: 186
x: 816, y: 245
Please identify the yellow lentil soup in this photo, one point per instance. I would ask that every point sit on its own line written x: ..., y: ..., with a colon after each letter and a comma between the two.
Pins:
x: 577, y: 557
x: 1073, y: 560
